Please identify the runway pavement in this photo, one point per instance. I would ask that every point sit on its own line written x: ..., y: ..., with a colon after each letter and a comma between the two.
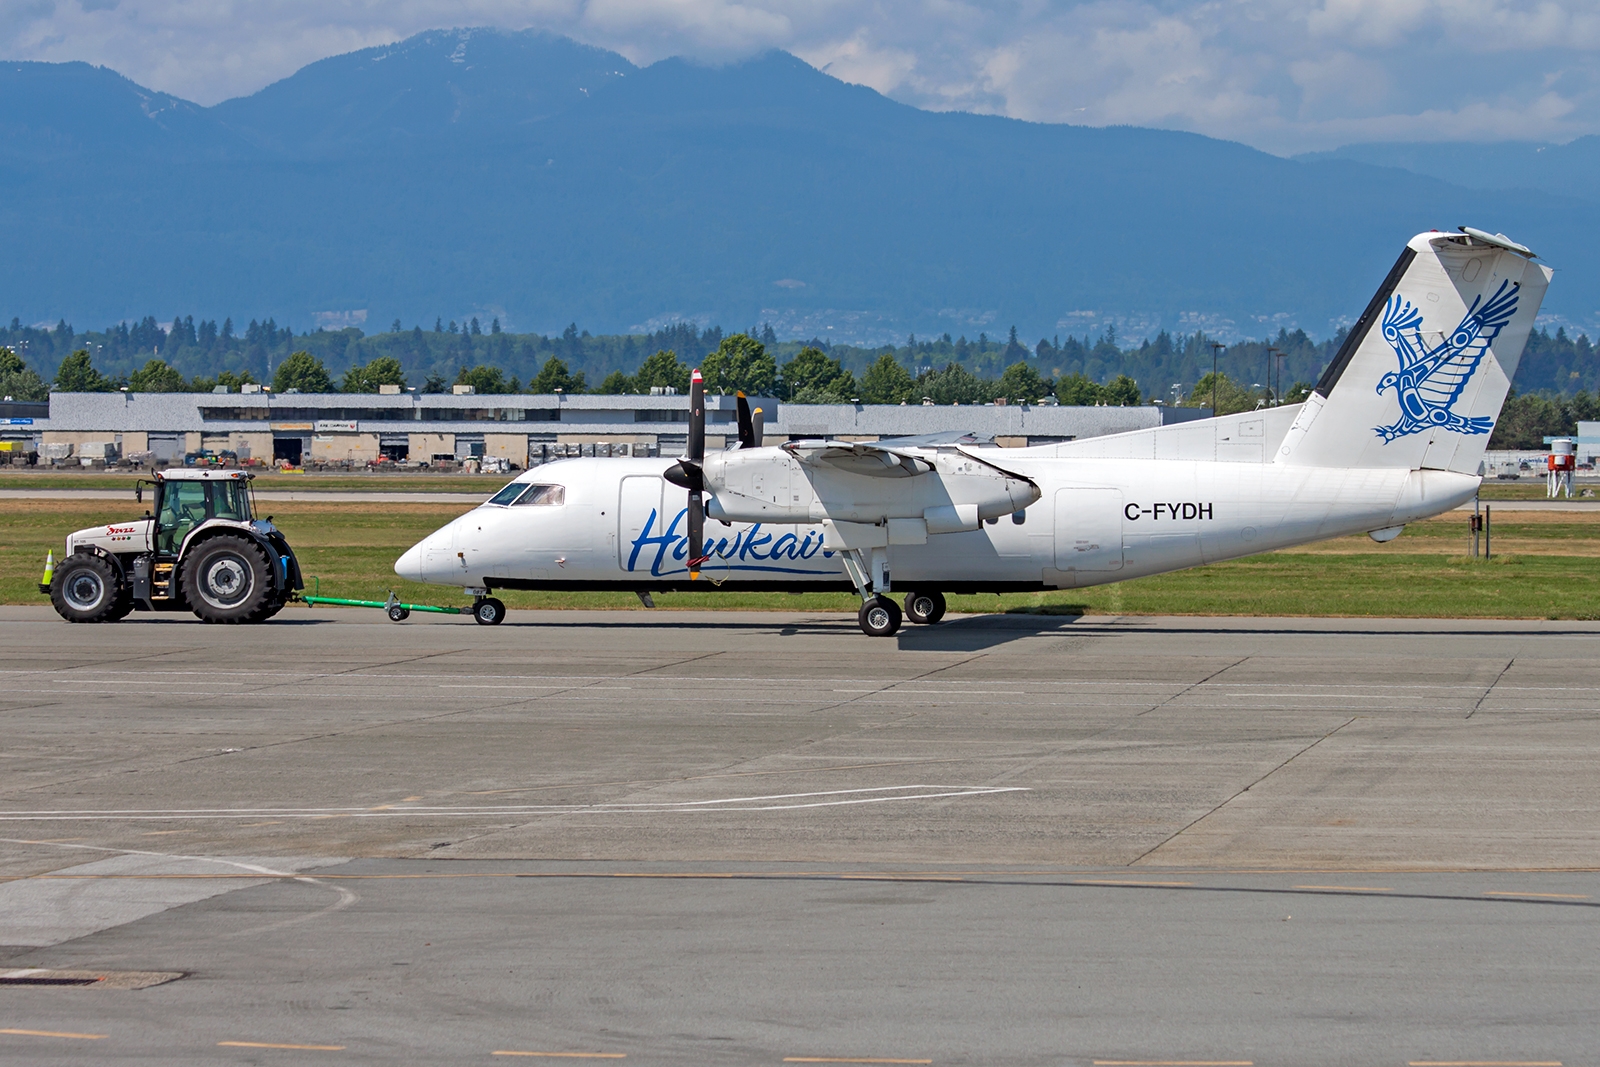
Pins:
x: 762, y: 838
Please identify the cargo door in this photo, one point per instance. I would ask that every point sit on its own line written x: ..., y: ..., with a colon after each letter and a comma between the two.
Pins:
x: 1089, y: 529
x: 639, y: 516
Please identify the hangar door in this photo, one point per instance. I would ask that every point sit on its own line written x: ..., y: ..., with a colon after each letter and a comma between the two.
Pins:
x: 1089, y: 529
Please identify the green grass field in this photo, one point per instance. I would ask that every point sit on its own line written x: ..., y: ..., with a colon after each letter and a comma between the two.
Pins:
x: 1547, y: 565
x: 1528, y: 487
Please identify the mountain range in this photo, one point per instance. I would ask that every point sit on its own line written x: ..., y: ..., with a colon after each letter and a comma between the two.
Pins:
x: 1563, y: 169
x: 541, y: 181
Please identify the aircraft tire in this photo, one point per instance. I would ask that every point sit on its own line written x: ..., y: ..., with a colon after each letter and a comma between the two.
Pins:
x: 489, y: 612
x: 924, y: 608
x: 226, y: 579
x: 879, y: 617
x: 86, y: 588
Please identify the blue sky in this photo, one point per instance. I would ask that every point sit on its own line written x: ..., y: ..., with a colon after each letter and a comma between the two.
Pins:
x: 1281, y: 75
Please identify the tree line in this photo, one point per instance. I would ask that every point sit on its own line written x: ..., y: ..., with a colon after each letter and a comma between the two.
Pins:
x: 739, y: 363
x: 1551, y: 382
x: 146, y: 356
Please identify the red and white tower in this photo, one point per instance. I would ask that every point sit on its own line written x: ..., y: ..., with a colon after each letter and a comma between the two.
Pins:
x: 1561, y: 462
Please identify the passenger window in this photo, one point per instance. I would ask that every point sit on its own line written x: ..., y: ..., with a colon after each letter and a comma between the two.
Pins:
x: 509, y: 493
x: 548, y: 496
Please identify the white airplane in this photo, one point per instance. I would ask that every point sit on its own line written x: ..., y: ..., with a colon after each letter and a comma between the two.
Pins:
x: 1394, y: 432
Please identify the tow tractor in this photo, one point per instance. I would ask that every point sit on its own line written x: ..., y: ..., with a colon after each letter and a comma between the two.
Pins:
x: 202, y: 550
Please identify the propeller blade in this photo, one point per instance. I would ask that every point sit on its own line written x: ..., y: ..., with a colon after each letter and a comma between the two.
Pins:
x: 758, y: 420
x: 692, y: 475
x: 697, y: 418
x: 697, y: 533
x: 747, y: 431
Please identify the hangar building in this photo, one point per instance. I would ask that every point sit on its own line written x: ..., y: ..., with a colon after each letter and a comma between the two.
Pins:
x: 523, y: 428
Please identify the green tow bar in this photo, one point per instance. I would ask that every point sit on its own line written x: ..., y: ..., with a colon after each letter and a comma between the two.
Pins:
x: 395, y: 609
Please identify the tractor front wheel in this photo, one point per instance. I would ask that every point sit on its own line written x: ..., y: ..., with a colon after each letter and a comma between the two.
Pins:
x: 86, y: 588
x: 227, y: 579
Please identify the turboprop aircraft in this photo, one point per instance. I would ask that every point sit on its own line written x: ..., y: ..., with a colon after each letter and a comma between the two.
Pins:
x: 1394, y: 431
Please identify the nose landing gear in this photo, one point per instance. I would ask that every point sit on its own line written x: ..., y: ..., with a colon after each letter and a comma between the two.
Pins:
x: 488, y: 611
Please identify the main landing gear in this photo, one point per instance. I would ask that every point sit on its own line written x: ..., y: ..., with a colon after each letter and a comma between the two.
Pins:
x: 924, y: 607
x: 879, y: 616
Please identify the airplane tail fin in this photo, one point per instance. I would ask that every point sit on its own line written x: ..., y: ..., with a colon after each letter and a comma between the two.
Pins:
x: 1421, y: 377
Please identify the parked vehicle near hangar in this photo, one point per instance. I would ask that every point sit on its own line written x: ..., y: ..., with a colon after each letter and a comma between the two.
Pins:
x: 201, y: 550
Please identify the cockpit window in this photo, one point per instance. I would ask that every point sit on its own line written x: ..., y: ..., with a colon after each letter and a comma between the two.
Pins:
x: 549, y: 496
x: 509, y: 493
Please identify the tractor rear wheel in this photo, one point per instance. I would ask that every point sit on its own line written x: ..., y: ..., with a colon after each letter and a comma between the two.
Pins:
x: 273, y: 605
x: 227, y: 579
x: 86, y: 588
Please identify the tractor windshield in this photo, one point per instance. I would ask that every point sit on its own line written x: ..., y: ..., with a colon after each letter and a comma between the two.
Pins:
x: 185, y: 505
x: 230, y: 500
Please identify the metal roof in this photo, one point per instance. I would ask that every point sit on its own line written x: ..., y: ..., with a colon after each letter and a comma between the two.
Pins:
x: 588, y: 414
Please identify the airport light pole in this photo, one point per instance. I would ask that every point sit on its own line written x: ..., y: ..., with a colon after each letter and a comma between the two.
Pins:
x: 1273, y: 392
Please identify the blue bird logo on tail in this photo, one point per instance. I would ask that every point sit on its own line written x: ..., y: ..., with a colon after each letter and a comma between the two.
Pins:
x: 1431, y: 380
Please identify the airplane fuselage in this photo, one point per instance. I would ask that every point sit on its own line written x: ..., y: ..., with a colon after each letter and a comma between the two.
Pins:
x: 622, y: 526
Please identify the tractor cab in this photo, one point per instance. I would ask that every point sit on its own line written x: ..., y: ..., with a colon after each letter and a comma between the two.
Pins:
x: 186, y: 499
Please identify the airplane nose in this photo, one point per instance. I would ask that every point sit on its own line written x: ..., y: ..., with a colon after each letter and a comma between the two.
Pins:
x: 410, y: 564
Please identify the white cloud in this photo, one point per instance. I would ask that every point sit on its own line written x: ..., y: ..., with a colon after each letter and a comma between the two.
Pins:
x: 858, y: 61
x: 1285, y: 75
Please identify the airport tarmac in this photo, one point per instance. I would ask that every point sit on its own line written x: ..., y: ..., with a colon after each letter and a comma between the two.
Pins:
x: 690, y: 837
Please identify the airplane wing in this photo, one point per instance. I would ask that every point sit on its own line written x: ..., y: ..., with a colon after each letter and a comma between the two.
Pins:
x: 871, y: 458
x: 891, y: 459
x: 880, y: 459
